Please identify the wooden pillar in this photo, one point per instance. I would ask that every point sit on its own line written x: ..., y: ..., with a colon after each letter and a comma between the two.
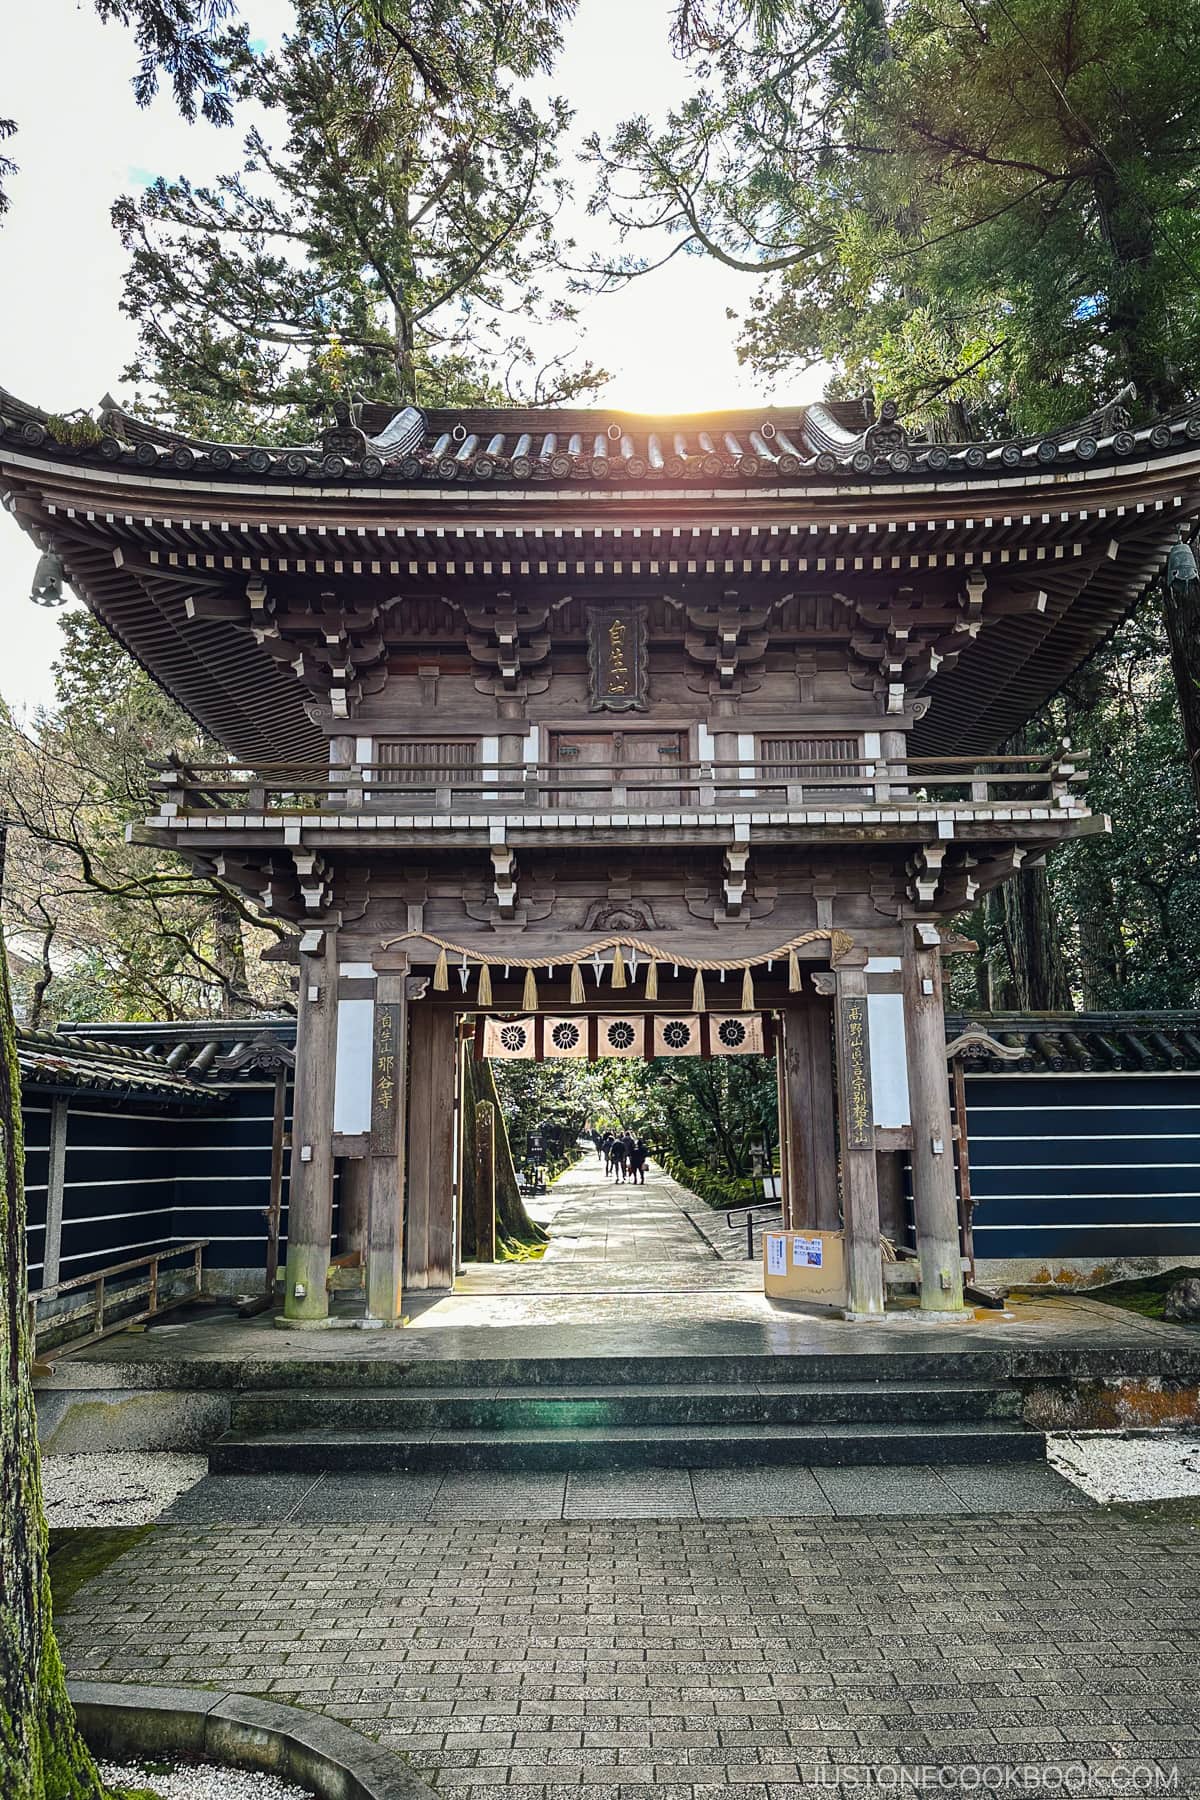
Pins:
x: 352, y: 1213
x: 822, y: 1133
x: 385, y: 1190
x: 860, y: 1194
x: 466, y: 1049
x: 795, y: 1155
x: 810, y: 1147
x: 429, y: 1221
x: 275, y: 1192
x: 935, y: 1201
x: 310, y: 1192
x: 52, y: 1254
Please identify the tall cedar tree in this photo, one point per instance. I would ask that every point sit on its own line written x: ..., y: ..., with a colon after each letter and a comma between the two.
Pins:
x: 986, y: 207
x: 389, y: 234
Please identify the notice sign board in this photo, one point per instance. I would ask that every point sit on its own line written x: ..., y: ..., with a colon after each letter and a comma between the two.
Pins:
x: 805, y: 1265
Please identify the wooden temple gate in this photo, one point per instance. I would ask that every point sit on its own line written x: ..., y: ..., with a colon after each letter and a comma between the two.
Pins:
x: 508, y: 694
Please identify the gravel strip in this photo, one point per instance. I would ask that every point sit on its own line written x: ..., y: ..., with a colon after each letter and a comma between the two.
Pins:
x: 200, y: 1781
x: 1111, y: 1466
x: 120, y: 1488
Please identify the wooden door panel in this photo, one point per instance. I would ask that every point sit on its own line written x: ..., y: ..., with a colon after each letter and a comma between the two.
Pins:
x: 657, y: 756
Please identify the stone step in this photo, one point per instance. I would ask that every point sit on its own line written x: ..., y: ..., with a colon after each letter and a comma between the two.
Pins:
x: 515, y: 1410
x: 630, y: 1447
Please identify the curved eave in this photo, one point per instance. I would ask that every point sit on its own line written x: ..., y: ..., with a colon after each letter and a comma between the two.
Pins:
x: 1127, y: 512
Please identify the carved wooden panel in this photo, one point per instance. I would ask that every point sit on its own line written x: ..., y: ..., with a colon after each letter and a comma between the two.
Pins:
x: 798, y: 757
x: 420, y: 762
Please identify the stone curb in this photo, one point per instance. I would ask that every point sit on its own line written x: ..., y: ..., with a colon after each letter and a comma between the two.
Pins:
x: 122, y: 1719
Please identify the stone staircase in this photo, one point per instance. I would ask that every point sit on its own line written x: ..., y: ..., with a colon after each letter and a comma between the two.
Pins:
x: 703, y: 1411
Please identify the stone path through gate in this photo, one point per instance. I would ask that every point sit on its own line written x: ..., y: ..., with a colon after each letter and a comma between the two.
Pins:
x: 623, y: 1226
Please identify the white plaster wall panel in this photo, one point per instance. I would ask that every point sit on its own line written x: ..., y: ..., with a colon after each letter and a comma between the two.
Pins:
x: 352, y: 1078
x: 889, y: 1070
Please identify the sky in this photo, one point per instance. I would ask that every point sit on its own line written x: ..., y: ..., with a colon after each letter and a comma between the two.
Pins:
x: 82, y: 141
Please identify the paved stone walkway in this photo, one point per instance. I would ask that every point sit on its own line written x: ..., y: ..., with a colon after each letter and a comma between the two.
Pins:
x: 686, y: 1659
x: 754, y: 1491
x: 595, y: 1219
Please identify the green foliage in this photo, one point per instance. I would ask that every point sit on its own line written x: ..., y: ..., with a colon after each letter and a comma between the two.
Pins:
x: 1125, y: 909
x: 990, y: 203
x: 393, y: 214
x: 80, y: 430
x: 714, y: 1189
x: 97, y: 927
x: 691, y: 1108
x: 189, y: 41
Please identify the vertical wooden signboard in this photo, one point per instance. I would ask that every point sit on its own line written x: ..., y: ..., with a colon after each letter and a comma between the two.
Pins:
x: 385, y: 1227
x: 618, y: 659
x: 860, y: 1126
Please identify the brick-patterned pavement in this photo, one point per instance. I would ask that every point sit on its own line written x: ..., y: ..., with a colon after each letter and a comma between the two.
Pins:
x: 682, y: 1659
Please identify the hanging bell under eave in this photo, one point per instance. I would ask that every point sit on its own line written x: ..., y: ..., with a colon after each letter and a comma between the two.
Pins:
x: 47, y: 588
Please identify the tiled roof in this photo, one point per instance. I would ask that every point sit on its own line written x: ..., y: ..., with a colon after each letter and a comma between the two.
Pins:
x: 1136, y: 1043
x: 826, y: 442
x: 216, y: 1052
x: 77, y: 1064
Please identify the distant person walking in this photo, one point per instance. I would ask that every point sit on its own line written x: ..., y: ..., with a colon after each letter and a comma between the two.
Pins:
x: 638, y: 1157
x: 620, y: 1158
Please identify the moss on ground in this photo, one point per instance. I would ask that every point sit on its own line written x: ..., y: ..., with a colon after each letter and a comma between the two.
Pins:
x: 1185, y: 1510
x: 1146, y: 1296
x: 77, y: 1556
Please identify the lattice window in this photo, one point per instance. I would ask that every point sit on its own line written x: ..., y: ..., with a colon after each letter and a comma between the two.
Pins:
x: 810, y: 758
x: 424, y: 762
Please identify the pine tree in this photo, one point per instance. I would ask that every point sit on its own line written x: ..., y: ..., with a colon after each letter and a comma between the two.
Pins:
x: 393, y: 216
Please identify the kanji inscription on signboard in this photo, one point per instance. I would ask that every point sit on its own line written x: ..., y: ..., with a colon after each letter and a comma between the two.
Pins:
x: 618, y: 665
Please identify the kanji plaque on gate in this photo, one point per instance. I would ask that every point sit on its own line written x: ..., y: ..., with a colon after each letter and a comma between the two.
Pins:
x: 857, y: 1074
x: 387, y: 1073
x: 618, y: 662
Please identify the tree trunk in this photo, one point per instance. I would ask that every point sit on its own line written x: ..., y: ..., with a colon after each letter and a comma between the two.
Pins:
x: 41, y: 987
x: 1031, y: 940
x: 513, y: 1223
x: 229, y: 954
x: 1182, y: 620
x: 1101, y: 953
x: 42, y: 1756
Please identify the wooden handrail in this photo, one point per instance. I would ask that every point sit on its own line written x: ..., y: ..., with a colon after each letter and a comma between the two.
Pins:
x: 491, y: 775
x: 99, y: 1279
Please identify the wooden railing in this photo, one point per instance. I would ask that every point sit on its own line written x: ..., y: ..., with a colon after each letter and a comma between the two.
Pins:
x: 104, y: 1297
x: 289, y: 791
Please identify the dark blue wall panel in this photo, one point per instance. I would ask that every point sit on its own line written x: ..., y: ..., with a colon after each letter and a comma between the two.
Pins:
x: 1085, y: 1165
